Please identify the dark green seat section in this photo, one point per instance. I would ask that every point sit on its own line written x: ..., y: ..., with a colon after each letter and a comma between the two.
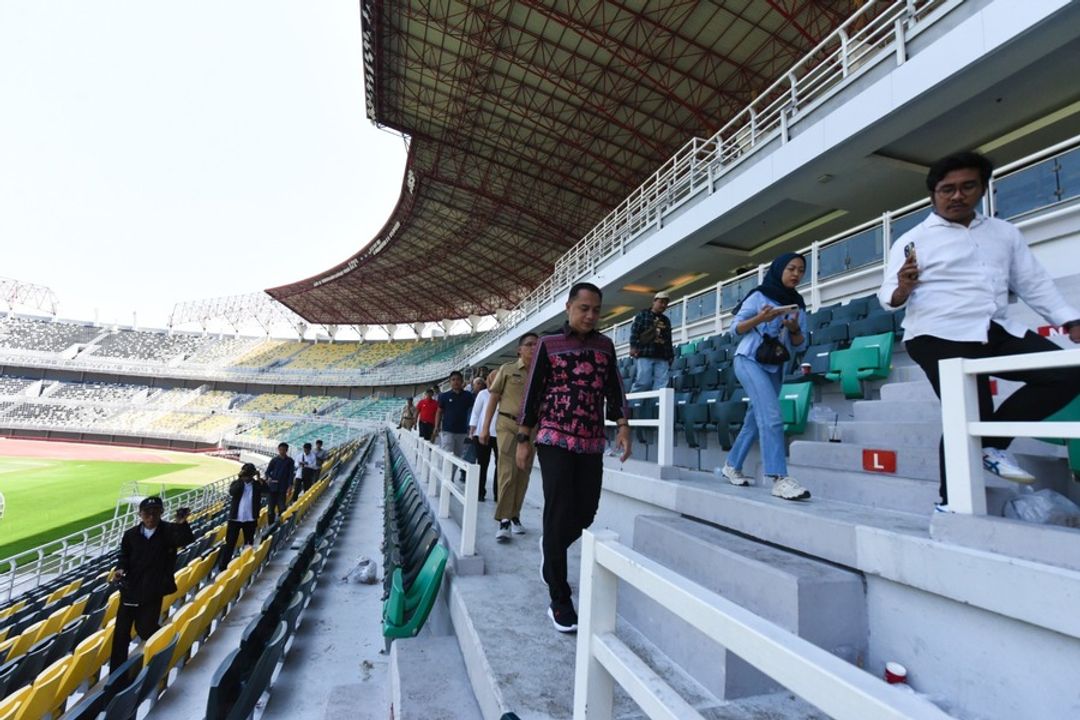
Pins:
x: 868, y: 358
x: 413, y: 558
x: 795, y: 401
x: 406, y: 611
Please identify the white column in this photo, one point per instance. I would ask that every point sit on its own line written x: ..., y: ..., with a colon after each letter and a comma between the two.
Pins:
x: 665, y: 436
x: 470, y: 510
x: 444, y: 489
x: 963, y: 452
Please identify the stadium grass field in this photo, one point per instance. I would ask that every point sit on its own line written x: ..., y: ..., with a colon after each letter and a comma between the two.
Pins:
x: 49, y: 497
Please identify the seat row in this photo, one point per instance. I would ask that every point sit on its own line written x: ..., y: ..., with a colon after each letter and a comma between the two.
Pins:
x: 413, y: 557
x: 248, y: 671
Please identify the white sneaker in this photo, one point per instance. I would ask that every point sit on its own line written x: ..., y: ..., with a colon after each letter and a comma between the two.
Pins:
x: 1003, y: 464
x: 787, y: 488
x: 503, y: 533
x: 942, y: 508
x: 735, y: 477
x: 515, y: 527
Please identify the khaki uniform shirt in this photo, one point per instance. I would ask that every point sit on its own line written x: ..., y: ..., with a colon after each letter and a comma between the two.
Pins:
x: 510, y: 385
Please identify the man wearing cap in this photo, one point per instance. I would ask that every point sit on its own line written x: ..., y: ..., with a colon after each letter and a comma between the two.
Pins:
x: 245, y: 499
x: 650, y: 346
x: 145, y: 573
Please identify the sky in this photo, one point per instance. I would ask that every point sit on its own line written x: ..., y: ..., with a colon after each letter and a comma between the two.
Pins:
x: 154, y: 152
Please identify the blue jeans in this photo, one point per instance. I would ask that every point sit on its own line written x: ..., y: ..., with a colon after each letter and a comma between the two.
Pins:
x: 763, y: 418
x: 650, y: 374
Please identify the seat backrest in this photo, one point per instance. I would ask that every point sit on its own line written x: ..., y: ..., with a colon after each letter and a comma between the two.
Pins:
x: 835, y: 332
x: 9, y: 706
x: 819, y: 319
x: 84, y: 663
x: 261, y: 674
x: 709, y: 396
x: 43, y: 699
x: 32, y: 663
x: 882, y: 342
x: 795, y: 401
x: 124, y: 703
x: 872, y: 325
x: 157, y: 668
x: 157, y: 642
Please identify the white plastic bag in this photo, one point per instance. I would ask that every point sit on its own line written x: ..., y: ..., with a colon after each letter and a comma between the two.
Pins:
x: 366, y: 572
x: 1045, y: 507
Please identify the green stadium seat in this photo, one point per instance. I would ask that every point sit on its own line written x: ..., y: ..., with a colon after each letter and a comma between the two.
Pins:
x: 406, y: 611
x: 728, y: 418
x: 868, y: 358
x: 1069, y: 413
x: 795, y: 404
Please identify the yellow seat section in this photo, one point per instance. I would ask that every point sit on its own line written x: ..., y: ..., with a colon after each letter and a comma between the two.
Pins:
x: 43, y: 698
x: 262, y: 552
x: 106, y: 643
x: 25, y: 640
x: 12, y: 703
x: 12, y: 609
x: 158, y: 641
x: 63, y: 592
x: 85, y: 664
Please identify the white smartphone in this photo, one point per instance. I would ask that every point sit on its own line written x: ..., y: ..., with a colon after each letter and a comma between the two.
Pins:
x: 787, y: 308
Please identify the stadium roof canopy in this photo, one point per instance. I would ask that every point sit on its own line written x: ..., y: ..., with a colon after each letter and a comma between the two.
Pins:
x: 529, y: 120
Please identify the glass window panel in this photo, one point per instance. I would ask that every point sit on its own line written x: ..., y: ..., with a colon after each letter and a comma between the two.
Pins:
x: 831, y: 260
x: 733, y: 293
x: 675, y: 313
x: 1069, y: 174
x: 864, y: 248
x: 1026, y: 190
x: 902, y: 224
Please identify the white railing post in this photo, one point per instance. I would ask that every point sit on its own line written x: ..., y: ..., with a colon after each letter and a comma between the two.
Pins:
x: 470, y: 510
x: 963, y: 452
x: 665, y: 436
x: 433, y: 471
x: 593, y: 685
x: 447, y: 478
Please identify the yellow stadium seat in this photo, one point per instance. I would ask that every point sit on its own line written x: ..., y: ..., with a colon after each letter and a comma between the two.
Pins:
x: 43, y: 698
x: 106, y: 643
x: 159, y: 640
x: 262, y: 552
x: 5, y: 646
x: 111, y: 608
x: 63, y: 592
x: 12, y: 609
x: 190, y: 630
x: 25, y: 640
x: 85, y: 664
x: 11, y: 704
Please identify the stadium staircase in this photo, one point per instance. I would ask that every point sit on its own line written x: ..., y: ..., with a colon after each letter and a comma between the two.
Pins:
x: 56, y: 639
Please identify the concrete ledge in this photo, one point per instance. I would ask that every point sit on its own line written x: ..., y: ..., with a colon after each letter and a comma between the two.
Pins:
x: 461, y: 564
x: 815, y: 600
x: 911, y: 462
x: 869, y: 490
x: 1050, y: 544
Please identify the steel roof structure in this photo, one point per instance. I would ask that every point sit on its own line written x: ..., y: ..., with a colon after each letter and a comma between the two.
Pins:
x: 529, y: 120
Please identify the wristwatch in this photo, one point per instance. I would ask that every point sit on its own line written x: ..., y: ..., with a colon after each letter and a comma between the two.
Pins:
x: 523, y: 438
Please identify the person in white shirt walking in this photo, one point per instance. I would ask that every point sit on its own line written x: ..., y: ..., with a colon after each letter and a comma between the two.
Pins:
x: 307, y: 467
x: 485, y: 451
x: 245, y: 501
x: 953, y: 273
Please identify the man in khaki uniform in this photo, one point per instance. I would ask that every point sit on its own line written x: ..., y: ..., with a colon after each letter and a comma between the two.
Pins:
x: 506, y: 393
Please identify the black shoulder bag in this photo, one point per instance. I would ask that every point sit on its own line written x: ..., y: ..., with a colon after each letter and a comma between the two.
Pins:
x: 771, y: 351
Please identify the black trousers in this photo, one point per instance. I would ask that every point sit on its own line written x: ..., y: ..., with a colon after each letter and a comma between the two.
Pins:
x: 232, y: 532
x: 144, y: 617
x: 275, y: 504
x: 571, y: 496
x: 485, y: 454
x: 307, y: 477
x: 426, y: 429
x: 1044, y: 392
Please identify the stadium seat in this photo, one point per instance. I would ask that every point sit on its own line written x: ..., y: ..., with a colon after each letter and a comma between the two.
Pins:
x: 44, y: 699
x: 835, y: 332
x: 817, y: 357
x: 819, y: 319
x: 406, y: 611
x: 874, y: 324
x: 727, y: 417
x: 10, y: 706
x: 84, y: 664
x: 125, y: 703
x: 856, y: 309
x: 868, y: 358
x: 32, y: 663
x: 795, y: 401
x: 64, y: 641
x: 156, y: 669
x: 225, y: 687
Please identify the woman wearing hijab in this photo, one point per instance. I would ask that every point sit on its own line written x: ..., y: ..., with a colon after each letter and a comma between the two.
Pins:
x: 773, y: 310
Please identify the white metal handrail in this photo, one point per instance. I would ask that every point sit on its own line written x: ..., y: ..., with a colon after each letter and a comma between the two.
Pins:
x: 664, y: 423
x: 838, y: 688
x: 962, y: 430
x: 437, y: 468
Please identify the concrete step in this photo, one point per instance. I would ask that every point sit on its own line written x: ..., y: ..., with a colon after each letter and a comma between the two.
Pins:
x: 908, y: 390
x: 819, y: 601
x: 919, y: 462
x: 898, y: 411
x: 877, y: 491
x: 428, y: 680
x: 890, y: 434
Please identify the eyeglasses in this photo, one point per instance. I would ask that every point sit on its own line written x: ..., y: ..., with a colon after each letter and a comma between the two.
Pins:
x: 967, y: 188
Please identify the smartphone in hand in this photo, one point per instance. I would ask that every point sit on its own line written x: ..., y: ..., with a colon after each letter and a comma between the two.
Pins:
x: 909, y: 249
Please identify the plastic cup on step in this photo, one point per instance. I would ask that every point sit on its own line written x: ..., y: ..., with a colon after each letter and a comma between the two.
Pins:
x: 805, y: 368
x: 895, y: 673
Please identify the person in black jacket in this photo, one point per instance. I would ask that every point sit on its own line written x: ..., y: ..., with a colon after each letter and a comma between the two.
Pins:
x: 279, y: 475
x: 145, y: 573
x: 245, y: 499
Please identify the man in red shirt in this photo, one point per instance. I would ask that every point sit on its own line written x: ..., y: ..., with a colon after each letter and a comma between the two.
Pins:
x: 425, y: 414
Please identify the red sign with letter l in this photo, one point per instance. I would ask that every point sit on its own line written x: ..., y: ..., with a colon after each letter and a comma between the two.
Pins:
x: 882, y: 461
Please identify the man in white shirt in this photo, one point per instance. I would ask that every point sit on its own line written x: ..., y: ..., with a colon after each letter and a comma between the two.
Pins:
x: 245, y: 502
x: 307, y: 467
x: 953, y: 273
x: 484, y: 451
